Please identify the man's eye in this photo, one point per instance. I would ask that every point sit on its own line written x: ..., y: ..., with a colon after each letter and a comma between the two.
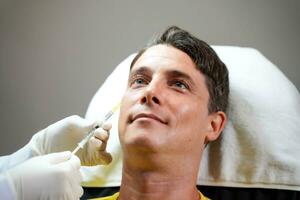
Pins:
x: 139, y: 81
x: 180, y: 84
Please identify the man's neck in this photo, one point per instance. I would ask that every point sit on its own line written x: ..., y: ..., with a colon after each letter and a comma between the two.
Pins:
x: 157, y: 184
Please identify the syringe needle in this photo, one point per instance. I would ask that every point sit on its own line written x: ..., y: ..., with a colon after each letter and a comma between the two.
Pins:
x: 75, y: 150
x: 83, y: 142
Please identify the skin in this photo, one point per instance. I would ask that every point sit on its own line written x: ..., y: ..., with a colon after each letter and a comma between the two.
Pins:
x: 164, y: 125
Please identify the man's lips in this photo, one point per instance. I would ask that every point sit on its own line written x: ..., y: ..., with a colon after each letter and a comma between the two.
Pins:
x: 146, y: 115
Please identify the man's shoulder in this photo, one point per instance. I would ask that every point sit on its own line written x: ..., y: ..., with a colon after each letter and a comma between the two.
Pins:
x: 202, y: 197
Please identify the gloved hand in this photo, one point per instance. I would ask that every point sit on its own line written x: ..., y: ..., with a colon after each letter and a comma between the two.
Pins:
x: 52, y: 176
x: 66, y: 133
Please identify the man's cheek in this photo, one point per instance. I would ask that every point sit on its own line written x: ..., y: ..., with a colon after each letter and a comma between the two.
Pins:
x: 184, y: 112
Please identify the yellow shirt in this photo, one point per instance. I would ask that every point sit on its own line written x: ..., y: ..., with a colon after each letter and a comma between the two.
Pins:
x: 116, y: 195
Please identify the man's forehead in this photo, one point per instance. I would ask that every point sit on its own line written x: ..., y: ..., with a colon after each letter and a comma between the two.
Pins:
x: 165, y: 53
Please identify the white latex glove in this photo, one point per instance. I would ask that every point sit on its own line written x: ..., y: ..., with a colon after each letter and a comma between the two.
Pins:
x: 53, y: 176
x: 66, y: 133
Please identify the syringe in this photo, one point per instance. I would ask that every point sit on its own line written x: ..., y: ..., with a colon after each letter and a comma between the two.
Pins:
x: 90, y: 134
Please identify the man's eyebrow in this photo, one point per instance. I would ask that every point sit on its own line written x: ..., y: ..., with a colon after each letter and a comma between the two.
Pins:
x: 180, y: 74
x: 140, y: 70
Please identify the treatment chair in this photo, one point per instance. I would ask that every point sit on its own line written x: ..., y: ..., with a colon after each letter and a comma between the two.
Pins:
x: 258, y: 153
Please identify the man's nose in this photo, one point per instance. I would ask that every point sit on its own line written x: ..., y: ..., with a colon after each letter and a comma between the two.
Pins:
x: 152, y: 94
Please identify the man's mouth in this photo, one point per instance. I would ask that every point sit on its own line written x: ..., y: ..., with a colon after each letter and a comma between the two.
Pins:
x: 149, y: 116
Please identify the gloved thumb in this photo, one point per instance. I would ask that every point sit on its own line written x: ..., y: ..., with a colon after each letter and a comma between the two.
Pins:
x: 55, y: 158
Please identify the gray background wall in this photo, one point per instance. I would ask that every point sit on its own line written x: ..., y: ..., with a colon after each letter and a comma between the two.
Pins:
x: 55, y: 54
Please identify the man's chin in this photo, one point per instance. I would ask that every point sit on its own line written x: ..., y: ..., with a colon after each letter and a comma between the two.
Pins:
x: 141, y: 140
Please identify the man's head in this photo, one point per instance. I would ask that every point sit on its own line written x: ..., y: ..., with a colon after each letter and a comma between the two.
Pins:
x: 206, y: 60
x: 167, y: 107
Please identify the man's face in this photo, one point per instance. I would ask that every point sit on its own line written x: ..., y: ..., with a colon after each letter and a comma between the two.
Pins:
x: 164, y: 108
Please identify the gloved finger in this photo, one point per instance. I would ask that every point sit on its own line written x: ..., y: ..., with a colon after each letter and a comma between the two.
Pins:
x: 72, y: 170
x: 55, y: 158
x: 78, y: 192
x: 101, y: 134
x: 97, y: 144
x: 106, y: 126
x: 100, y: 156
x: 69, y: 172
x: 104, y: 157
x: 70, y: 165
x: 75, y: 179
x: 73, y: 190
x: 74, y: 163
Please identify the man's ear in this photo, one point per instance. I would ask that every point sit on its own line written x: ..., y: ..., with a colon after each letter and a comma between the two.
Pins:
x: 216, y: 126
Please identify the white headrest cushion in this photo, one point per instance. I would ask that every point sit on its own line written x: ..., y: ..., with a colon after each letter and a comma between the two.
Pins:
x: 260, y: 144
